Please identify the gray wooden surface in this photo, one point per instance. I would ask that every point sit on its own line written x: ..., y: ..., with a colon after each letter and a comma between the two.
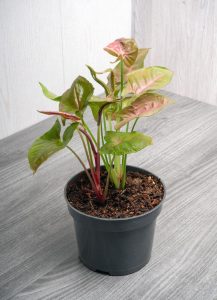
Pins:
x: 37, y: 240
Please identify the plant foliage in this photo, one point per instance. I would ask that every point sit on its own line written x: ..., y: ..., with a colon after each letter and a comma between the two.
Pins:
x: 129, y: 94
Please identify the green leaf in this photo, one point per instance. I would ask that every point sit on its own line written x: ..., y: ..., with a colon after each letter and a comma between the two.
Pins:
x: 96, y: 103
x: 45, y: 146
x: 114, y: 108
x: 145, y: 79
x: 95, y: 107
x: 99, y: 81
x: 138, y: 64
x: 96, y: 99
x: 49, y: 94
x: 75, y: 99
x: 119, y: 143
x: 69, y: 132
x: 124, y: 49
x: 143, y: 106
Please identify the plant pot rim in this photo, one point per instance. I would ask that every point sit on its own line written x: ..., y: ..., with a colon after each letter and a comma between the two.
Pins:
x: 115, y: 219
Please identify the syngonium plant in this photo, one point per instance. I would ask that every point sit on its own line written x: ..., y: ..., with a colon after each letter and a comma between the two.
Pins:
x: 129, y: 94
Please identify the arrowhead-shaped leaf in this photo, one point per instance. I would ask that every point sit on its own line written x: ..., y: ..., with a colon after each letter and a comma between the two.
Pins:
x: 120, y: 143
x: 144, y: 106
x: 95, y: 104
x: 138, y: 64
x: 145, y: 79
x: 68, y: 133
x: 48, y: 93
x: 62, y: 114
x: 45, y: 146
x: 75, y: 99
x: 124, y: 49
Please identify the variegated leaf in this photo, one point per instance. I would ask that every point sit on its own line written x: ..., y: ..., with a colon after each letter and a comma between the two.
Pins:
x: 145, y: 79
x: 75, y: 99
x: 45, y: 146
x: 144, y: 106
x: 124, y: 49
x: 96, y: 104
x: 138, y: 64
x: 62, y: 114
x: 120, y: 143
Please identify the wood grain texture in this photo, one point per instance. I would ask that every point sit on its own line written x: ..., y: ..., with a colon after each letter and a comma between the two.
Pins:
x: 182, y: 35
x: 51, y: 41
x: 37, y: 240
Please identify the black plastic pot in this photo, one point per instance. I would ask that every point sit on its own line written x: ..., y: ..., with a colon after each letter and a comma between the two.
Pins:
x: 114, y: 246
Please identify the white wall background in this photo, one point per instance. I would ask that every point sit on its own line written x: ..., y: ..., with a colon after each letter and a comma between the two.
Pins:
x: 183, y: 37
x: 51, y: 41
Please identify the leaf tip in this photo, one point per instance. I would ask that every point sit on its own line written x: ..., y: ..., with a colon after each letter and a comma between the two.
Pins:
x: 41, y: 84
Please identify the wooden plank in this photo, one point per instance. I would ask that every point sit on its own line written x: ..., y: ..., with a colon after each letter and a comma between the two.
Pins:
x: 181, y: 35
x: 37, y: 240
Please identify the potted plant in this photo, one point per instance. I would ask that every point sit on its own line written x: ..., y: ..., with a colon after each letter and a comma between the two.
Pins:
x: 114, y: 206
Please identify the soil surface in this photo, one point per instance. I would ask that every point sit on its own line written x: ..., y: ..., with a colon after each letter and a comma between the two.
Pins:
x: 142, y: 193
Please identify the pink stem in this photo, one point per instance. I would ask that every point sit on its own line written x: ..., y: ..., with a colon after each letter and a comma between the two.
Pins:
x: 95, y: 174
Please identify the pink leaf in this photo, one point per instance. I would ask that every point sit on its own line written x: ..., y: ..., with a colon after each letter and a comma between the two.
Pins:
x: 62, y: 114
x: 144, y: 106
x: 124, y: 49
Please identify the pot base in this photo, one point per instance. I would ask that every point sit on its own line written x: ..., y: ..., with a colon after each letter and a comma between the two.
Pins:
x: 116, y: 272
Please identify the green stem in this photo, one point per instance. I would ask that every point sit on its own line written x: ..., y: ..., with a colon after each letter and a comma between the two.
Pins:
x: 107, y: 179
x: 86, y: 150
x: 122, y: 78
x: 124, y: 157
x: 108, y: 156
x: 90, y: 153
x: 98, y: 136
x: 124, y: 169
x: 134, y: 124
x: 104, y: 122
x: 127, y: 127
x: 124, y: 163
x: 104, y: 157
x: 89, y: 131
x: 110, y: 129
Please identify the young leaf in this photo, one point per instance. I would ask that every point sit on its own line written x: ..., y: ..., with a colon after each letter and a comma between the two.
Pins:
x: 62, y: 114
x: 49, y: 94
x: 68, y: 133
x: 123, y: 49
x: 96, y: 103
x: 45, y: 146
x: 138, y: 64
x: 99, y: 81
x: 145, y: 79
x: 119, y: 143
x: 95, y: 107
x: 75, y: 99
x: 144, y: 106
